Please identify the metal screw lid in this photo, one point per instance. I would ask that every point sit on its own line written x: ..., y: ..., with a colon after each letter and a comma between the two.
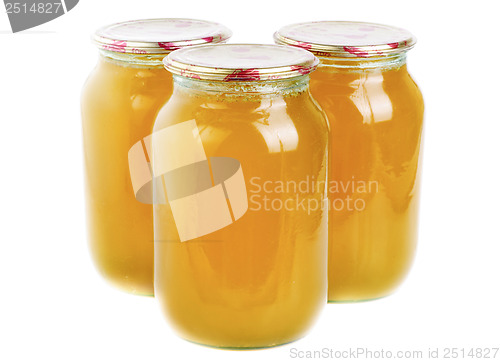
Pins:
x: 240, y: 62
x: 346, y: 38
x: 158, y: 36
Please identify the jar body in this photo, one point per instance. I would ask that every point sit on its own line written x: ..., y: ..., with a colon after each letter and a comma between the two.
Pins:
x: 261, y: 280
x: 376, y: 118
x: 119, y: 103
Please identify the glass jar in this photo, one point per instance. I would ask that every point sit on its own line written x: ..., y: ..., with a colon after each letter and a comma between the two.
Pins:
x: 376, y: 112
x: 240, y: 150
x: 119, y: 103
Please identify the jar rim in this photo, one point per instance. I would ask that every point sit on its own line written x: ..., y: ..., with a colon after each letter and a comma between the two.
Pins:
x: 240, y: 62
x: 346, y: 39
x: 158, y: 36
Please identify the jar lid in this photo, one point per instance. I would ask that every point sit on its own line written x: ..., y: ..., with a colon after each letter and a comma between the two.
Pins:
x: 157, y: 36
x: 346, y: 38
x: 240, y: 62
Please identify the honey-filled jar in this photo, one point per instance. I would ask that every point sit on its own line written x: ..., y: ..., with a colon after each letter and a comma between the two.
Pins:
x: 239, y: 156
x: 119, y: 103
x: 375, y: 111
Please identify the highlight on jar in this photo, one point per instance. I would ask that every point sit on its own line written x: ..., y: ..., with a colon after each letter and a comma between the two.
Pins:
x: 119, y: 103
x: 376, y: 113
x: 226, y: 274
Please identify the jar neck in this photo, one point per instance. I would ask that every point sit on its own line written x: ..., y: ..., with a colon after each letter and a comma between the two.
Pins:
x: 258, y: 89
x: 134, y: 60
x: 362, y: 65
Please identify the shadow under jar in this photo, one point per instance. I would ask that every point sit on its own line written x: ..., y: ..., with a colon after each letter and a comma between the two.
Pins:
x: 240, y: 150
x: 119, y: 103
x: 375, y: 110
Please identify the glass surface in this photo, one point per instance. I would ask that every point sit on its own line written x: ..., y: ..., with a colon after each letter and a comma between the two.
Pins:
x: 375, y: 110
x: 119, y: 103
x: 261, y: 280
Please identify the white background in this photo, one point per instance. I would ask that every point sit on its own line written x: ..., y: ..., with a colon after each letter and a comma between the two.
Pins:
x: 55, y: 307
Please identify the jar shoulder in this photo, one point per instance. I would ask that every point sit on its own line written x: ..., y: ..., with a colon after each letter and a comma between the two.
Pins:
x: 371, y: 96
x: 326, y: 81
x: 272, y: 124
x: 110, y: 77
x: 131, y: 92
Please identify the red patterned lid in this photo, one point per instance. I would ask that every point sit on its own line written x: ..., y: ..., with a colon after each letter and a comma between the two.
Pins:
x: 241, y: 62
x: 157, y: 36
x: 346, y: 38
